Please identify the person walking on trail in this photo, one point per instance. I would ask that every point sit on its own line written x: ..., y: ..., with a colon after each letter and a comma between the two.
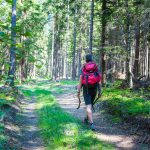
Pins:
x: 90, y: 80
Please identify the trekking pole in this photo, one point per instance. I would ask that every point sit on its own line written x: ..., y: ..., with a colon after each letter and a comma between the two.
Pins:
x: 95, y: 102
x: 79, y: 103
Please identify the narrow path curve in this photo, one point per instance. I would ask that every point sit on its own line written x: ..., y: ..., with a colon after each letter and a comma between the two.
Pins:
x: 105, y: 129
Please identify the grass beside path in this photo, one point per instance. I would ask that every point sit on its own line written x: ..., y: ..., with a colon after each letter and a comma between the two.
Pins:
x: 59, y: 129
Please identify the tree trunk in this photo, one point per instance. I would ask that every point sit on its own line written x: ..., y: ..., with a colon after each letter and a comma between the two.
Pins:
x: 22, y: 64
x: 91, y: 27
x: 67, y: 44
x: 103, y: 40
x: 79, y: 54
x: 128, y: 48
x: 13, y: 45
x: 56, y: 48
x: 137, y: 47
x: 52, y: 54
x: 74, y: 46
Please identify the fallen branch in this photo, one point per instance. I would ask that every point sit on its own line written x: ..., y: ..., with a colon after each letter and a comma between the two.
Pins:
x: 140, y: 83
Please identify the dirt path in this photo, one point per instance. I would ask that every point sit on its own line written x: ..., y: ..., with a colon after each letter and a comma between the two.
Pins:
x: 31, y: 139
x: 106, y: 130
x: 23, y: 128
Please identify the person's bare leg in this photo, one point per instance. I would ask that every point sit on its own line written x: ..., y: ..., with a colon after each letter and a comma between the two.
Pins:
x: 89, y: 113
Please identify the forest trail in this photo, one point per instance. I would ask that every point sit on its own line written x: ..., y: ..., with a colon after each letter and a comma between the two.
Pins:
x: 106, y: 130
x: 25, y: 130
x: 30, y: 132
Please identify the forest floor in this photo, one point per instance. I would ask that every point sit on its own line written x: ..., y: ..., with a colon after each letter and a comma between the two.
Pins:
x: 122, y: 135
x: 23, y: 128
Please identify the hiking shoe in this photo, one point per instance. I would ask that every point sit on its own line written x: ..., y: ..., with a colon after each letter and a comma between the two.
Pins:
x: 85, y: 120
x: 92, y: 127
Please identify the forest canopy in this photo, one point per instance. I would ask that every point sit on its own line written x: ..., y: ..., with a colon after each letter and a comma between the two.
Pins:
x: 50, y: 38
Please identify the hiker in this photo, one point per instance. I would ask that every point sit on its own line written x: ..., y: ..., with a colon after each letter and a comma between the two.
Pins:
x: 90, y: 80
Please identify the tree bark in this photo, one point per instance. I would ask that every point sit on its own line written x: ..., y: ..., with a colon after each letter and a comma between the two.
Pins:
x: 12, y: 68
x: 91, y: 27
x: 52, y: 54
x: 137, y: 47
x: 103, y: 40
x: 74, y: 46
x: 128, y: 47
x: 67, y: 44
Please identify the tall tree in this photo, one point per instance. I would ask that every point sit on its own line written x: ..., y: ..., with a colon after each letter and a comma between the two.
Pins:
x: 67, y: 42
x: 91, y: 26
x: 128, y: 46
x: 12, y: 68
x: 74, y: 41
x: 103, y: 40
x: 137, y: 43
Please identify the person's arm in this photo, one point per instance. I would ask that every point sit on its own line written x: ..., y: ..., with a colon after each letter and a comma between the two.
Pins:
x: 79, y: 89
x: 80, y: 84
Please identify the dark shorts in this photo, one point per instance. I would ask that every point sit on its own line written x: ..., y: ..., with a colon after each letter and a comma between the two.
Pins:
x: 89, y: 94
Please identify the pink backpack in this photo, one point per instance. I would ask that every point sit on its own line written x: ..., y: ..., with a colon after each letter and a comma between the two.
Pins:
x: 90, y: 74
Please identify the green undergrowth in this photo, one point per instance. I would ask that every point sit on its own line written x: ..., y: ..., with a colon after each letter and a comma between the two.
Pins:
x: 59, y: 129
x: 3, y: 137
x: 69, y: 82
x: 6, y: 98
x: 125, y: 103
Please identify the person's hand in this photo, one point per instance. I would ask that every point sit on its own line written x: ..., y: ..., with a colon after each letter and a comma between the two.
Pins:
x: 78, y: 95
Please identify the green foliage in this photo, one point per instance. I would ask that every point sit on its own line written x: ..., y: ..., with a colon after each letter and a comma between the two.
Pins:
x: 68, y: 82
x: 147, y: 4
x: 6, y: 97
x: 125, y: 103
x: 9, y: 1
x: 3, y: 138
x: 31, y: 18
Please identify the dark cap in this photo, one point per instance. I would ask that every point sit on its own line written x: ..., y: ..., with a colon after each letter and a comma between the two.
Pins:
x: 88, y: 57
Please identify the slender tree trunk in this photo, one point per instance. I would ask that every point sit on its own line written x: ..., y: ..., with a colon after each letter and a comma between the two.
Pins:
x: 128, y: 47
x: 52, y: 54
x: 56, y: 48
x: 137, y: 48
x: 23, y: 59
x: 12, y: 68
x: 147, y: 50
x: 22, y: 64
x: 103, y: 40
x: 91, y: 27
x: 67, y: 44
x: 27, y: 66
x: 148, y: 60
x: 74, y: 46
x: 48, y: 61
x: 34, y: 67
x: 79, y: 53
